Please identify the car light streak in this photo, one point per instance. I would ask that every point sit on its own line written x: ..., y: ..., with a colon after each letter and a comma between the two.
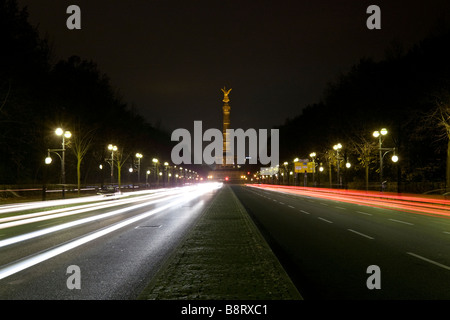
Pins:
x: 419, y: 205
x: 58, y: 213
x: 63, y: 202
x: 25, y: 263
x: 60, y: 227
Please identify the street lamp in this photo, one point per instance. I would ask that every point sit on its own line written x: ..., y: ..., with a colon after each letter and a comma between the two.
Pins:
x: 313, y: 157
x: 286, y: 164
x: 139, y: 156
x: 338, y: 147
x: 380, y: 134
x: 64, y: 134
x: 112, y: 148
x: 146, y: 177
x: 155, y: 163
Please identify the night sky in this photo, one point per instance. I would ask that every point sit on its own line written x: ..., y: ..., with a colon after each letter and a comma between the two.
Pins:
x: 170, y: 59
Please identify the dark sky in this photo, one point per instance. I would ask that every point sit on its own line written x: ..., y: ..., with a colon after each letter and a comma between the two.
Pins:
x: 171, y: 58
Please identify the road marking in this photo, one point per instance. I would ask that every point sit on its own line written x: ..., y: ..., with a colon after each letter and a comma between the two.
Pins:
x: 430, y: 261
x: 361, y: 234
x: 446, y: 232
x: 303, y: 211
x: 399, y: 221
x: 281, y: 202
x: 368, y: 214
x: 291, y: 207
x: 325, y: 220
x: 341, y: 208
x: 324, y: 204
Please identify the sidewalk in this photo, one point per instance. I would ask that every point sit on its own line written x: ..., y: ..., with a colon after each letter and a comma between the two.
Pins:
x: 224, y: 257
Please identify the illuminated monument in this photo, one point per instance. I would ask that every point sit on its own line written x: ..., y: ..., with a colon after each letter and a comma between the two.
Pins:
x: 228, y: 171
x: 226, y: 125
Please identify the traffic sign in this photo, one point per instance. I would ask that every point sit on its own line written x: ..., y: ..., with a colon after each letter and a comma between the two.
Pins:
x: 304, y: 166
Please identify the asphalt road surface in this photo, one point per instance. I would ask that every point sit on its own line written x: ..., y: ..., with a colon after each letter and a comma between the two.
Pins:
x: 330, y: 248
x: 109, y: 249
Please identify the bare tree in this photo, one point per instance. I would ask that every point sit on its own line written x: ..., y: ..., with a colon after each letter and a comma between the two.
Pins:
x: 366, y: 151
x: 80, y: 144
x: 441, y: 117
x: 121, y: 159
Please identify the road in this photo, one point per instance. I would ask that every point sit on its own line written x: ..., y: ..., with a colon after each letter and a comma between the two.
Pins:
x: 117, y: 244
x: 327, y: 244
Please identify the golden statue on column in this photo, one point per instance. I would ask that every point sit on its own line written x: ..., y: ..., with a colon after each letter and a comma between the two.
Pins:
x: 225, y: 94
x: 226, y: 125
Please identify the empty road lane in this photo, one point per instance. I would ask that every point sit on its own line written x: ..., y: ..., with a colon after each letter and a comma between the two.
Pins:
x: 329, y: 247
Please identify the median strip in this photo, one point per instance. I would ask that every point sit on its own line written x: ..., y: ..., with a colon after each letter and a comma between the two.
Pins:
x: 223, y: 257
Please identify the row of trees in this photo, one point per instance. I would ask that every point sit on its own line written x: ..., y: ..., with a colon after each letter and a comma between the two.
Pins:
x: 38, y: 96
x: 407, y: 93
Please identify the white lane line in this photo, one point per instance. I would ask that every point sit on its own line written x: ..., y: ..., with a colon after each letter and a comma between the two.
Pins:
x: 404, y: 222
x: 291, y: 207
x: 281, y: 202
x: 446, y: 232
x: 341, y: 208
x: 325, y: 220
x: 361, y: 234
x: 367, y: 214
x: 303, y: 211
x: 324, y: 204
x: 430, y: 261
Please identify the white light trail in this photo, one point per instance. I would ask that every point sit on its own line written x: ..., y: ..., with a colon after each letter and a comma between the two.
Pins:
x: 51, y: 203
x: 38, y: 258
x: 60, y: 227
x: 58, y: 213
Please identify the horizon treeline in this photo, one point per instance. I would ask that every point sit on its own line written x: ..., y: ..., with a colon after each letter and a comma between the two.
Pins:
x: 408, y: 93
x: 36, y: 97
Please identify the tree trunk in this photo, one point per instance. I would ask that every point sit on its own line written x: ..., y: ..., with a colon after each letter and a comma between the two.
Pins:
x: 447, y: 180
x: 79, y: 174
x: 367, y: 177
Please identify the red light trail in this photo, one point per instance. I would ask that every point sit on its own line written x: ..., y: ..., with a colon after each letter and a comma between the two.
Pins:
x: 419, y: 204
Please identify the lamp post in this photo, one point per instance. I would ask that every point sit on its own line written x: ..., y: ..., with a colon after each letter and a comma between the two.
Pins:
x: 112, y: 148
x: 338, y: 147
x: 64, y: 134
x: 286, y: 172
x: 155, y: 163
x: 380, y: 134
x: 146, y: 178
x: 139, y: 157
x: 313, y: 157
x: 295, y: 172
